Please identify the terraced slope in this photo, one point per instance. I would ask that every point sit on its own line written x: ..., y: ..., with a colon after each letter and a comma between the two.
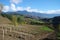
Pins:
x: 29, y: 32
x: 22, y: 31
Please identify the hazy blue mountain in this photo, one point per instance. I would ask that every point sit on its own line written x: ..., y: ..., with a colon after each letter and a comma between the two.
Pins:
x: 34, y: 14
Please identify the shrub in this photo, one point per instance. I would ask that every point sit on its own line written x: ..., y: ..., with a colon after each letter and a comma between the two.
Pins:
x: 21, y: 20
x: 36, y: 22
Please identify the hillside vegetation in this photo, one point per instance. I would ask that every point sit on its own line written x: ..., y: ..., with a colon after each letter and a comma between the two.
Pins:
x: 16, y: 20
x: 20, y: 19
x: 24, y: 24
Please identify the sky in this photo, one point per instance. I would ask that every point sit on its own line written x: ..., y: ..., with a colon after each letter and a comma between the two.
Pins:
x: 41, y: 6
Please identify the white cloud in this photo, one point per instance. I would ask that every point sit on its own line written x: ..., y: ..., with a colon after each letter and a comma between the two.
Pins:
x: 52, y: 11
x: 6, y: 8
x: 29, y: 9
x: 16, y: 1
x: 13, y: 7
x: 20, y: 8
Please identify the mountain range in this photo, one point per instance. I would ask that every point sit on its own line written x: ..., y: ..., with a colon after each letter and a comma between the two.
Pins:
x: 34, y: 14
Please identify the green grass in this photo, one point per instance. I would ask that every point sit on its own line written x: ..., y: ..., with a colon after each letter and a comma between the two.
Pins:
x: 45, y: 28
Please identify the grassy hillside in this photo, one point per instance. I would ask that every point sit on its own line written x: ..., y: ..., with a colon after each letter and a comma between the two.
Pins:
x: 4, y: 20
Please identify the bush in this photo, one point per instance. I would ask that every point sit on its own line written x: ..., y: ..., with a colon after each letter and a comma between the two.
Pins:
x: 36, y: 22
x: 21, y: 20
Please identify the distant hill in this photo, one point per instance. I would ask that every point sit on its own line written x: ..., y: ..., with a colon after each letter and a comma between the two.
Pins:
x: 34, y: 14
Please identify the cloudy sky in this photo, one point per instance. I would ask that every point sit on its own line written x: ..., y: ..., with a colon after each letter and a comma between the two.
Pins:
x: 42, y: 6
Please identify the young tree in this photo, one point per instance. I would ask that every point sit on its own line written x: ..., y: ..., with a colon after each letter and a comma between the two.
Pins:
x: 14, y: 20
